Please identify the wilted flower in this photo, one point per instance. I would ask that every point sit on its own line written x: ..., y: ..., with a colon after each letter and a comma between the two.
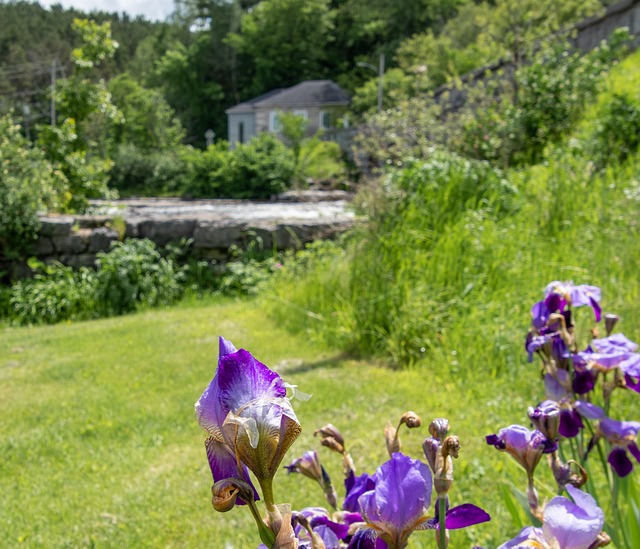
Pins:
x: 566, y: 524
x: 623, y: 436
x: 411, y: 420
x: 309, y: 465
x: 245, y: 408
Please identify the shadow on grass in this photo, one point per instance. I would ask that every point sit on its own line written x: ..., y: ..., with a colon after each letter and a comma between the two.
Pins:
x: 329, y: 362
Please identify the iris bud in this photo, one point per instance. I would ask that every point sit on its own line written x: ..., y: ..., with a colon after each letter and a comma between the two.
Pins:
x: 439, y: 428
x: 610, y: 320
x: 330, y: 430
x: 430, y: 447
x: 411, y: 420
x: 332, y: 444
x: 546, y: 418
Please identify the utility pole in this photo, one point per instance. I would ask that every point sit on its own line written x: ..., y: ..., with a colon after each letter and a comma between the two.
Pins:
x: 380, y: 81
x: 53, y: 92
x: 380, y: 72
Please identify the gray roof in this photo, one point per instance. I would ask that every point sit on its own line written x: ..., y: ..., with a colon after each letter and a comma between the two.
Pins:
x: 310, y: 93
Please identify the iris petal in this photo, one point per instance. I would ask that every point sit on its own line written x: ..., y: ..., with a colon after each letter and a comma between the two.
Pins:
x: 223, y: 464
x: 243, y: 379
x: 465, y: 515
x: 573, y: 525
x: 620, y: 462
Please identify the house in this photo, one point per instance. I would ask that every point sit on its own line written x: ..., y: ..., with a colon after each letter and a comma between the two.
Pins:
x: 321, y: 102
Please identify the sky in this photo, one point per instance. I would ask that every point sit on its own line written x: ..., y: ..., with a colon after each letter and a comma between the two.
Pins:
x: 151, y: 9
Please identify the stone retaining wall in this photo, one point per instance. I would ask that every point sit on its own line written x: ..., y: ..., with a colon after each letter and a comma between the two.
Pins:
x: 75, y: 240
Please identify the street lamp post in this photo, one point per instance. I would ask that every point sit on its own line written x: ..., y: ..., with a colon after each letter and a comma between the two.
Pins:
x: 380, y: 72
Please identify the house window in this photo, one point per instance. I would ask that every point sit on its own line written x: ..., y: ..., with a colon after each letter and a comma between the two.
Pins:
x: 274, y: 123
x: 325, y: 120
x: 241, y: 132
x: 302, y: 113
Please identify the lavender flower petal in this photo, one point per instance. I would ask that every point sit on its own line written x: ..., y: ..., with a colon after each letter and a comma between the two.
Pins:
x: 554, y: 388
x: 573, y: 525
x: 631, y: 365
x: 527, y: 533
x: 615, y: 342
x: 588, y: 410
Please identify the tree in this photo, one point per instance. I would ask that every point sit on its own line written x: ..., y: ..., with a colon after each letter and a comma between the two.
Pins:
x: 86, y: 111
x: 148, y: 122
x: 28, y: 185
x: 286, y: 40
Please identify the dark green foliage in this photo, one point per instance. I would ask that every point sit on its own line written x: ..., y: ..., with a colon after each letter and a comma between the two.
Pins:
x: 617, y: 131
x: 261, y: 168
x: 134, y: 274
x: 204, y: 171
x: 54, y: 294
x: 28, y: 184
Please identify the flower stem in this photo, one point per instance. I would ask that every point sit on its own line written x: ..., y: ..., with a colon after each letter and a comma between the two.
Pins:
x: 266, y: 535
x: 442, y: 515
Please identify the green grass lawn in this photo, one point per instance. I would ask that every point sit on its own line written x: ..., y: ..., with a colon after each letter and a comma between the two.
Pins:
x: 100, y: 446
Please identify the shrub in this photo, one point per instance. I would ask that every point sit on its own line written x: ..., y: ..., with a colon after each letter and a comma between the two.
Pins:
x: 134, y: 274
x: 54, y: 294
x: 149, y: 173
x: 204, y: 170
x: 28, y: 184
x: 617, y: 132
x: 261, y: 168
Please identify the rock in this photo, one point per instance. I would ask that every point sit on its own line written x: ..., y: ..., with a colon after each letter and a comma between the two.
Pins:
x: 75, y: 243
x: 218, y: 234
x: 314, y: 196
x: 43, y: 246
x: 163, y: 231
x: 101, y: 239
x: 56, y: 225
x: 93, y: 221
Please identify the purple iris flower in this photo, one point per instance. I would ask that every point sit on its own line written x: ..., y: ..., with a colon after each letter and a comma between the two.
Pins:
x: 355, y: 486
x: 329, y: 531
x: 524, y: 445
x: 571, y: 411
x: 566, y: 524
x: 560, y: 294
x: 245, y: 408
x: 399, y: 503
x: 615, y: 342
x: 400, y: 500
x: 623, y: 436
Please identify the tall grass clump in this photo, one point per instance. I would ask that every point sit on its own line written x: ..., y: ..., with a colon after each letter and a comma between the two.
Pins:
x: 455, y: 252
